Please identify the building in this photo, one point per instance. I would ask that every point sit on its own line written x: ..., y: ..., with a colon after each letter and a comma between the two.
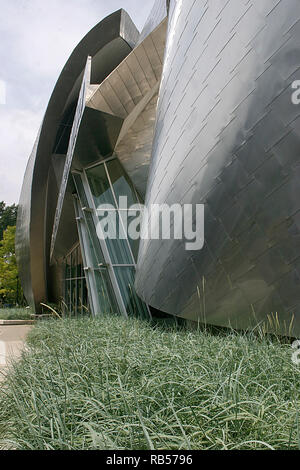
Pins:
x: 195, y: 109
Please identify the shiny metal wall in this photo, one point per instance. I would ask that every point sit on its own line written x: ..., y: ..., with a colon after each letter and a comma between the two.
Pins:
x: 108, y: 43
x: 46, y: 207
x: 157, y: 15
x: 130, y: 93
x: 23, y: 230
x: 134, y: 149
x: 227, y: 135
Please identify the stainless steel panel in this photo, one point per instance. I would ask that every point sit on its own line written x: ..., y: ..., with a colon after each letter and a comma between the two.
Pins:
x: 108, y: 43
x: 134, y: 149
x: 133, y: 79
x: 130, y: 92
x: 157, y: 15
x: 227, y: 135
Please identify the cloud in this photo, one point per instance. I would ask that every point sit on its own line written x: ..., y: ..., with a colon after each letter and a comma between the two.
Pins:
x: 18, y: 130
x: 37, y: 37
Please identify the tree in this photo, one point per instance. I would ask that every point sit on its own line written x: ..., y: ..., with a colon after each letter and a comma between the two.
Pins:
x: 8, y: 217
x: 10, y: 290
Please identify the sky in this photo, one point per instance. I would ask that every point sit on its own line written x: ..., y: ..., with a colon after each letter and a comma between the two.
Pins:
x: 36, y: 39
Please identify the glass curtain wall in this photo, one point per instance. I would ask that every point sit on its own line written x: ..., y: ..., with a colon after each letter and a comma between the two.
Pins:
x: 75, y: 289
x: 103, y: 184
x: 99, y: 285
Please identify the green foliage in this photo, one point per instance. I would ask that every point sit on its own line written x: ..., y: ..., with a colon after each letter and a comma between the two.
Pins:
x: 8, y: 217
x: 111, y: 383
x: 15, y: 314
x: 10, y: 291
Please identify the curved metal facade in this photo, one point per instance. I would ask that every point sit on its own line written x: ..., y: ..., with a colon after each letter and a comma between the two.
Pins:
x: 198, y: 110
x: 227, y: 136
x: 108, y: 43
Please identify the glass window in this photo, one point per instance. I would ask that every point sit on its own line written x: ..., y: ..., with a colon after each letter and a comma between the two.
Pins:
x: 68, y: 268
x: 95, y: 248
x: 100, y: 187
x: 133, y: 304
x: 80, y: 190
x: 134, y: 242
x: 121, y: 183
x: 98, y: 279
x: 107, y: 183
x: 75, y: 297
x: 67, y: 294
x: 79, y: 267
x: 85, y: 297
x: 104, y: 289
x: 118, y: 247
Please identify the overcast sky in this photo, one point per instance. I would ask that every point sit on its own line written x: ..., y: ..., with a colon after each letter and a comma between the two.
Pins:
x: 36, y: 39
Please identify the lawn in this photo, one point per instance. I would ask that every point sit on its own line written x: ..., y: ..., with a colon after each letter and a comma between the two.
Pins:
x: 109, y: 383
x: 15, y: 314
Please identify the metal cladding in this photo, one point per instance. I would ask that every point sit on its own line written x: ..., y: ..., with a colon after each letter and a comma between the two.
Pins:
x: 198, y: 110
x: 228, y: 136
x: 108, y: 43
